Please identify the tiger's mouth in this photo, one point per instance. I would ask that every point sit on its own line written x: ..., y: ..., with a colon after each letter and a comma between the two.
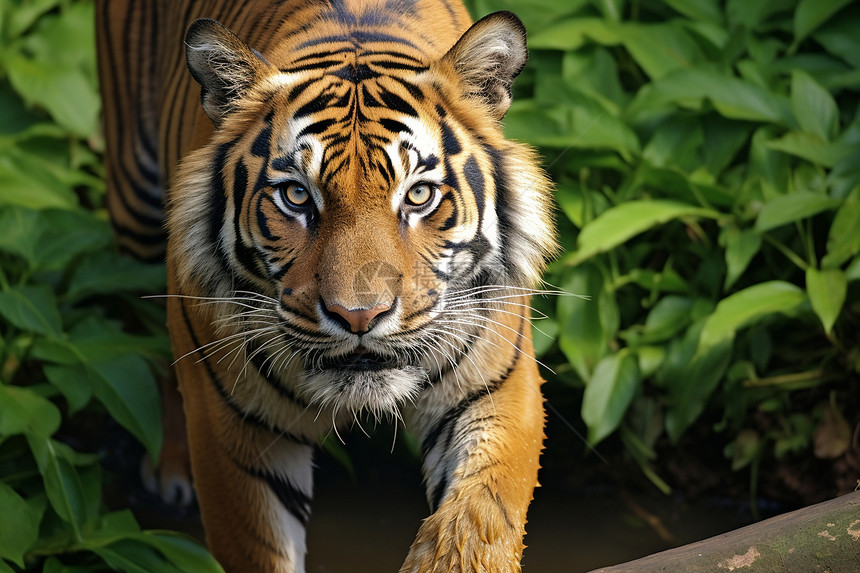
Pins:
x: 360, y: 360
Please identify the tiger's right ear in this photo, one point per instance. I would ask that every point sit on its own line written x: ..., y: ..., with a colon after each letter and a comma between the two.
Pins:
x: 223, y: 65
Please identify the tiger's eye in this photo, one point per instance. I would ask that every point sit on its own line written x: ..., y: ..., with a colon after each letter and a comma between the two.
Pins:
x: 296, y: 194
x: 419, y: 194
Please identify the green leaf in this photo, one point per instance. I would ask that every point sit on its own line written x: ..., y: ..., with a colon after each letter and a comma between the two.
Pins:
x: 109, y: 273
x: 608, y: 394
x: 659, y: 48
x: 75, y: 384
x: 132, y: 556
x: 827, y: 290
x: 32, y: 309
x: 852, y: 273
x: 793, y: 207
x: 49, y: 239
x: 732, y: 97
x: 579, y: 121
x: 62, y: 483
x: 691, y: 378
x: 126, y: 387
x: 741, y: 246
x: 708, y: 10
x: 843, y: 242
x: 627, y: 220
x: 19, y: 528
x: 572, y: 34
x: 589, y: 323
x: 814, y: 107
x: 746, y: 307
x: 26, y: 182
x: 185, y: 553
x: 22, y: 411
x: 810, y: 14
x: 811, y: 147
x: 669, y: 316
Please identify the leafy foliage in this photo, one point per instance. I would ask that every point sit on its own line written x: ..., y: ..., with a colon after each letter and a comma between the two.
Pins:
x: 706, y: 156
x: 66, y: 311
x: 706, y: 160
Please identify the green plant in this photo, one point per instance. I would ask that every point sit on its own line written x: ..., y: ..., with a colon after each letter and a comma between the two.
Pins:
x: 706, y: 156
x: 67, y: 301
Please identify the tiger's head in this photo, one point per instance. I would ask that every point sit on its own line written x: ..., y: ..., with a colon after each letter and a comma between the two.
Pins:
x: 355, y: 193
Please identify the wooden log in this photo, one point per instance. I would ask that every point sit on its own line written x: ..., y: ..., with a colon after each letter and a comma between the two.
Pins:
x: 820, y: 538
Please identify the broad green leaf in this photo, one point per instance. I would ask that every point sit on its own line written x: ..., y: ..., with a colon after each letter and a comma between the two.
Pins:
x: 709, y: 10
x: 573, y: 33
x: 852, y: 273
x: 26, y: 182
x: 746, y: 307
x: 608, y: 394
x: 578, y: 122
x: 62, y: 483
x: 650, y: 359
x: 627, y: 220
x: 109, y: 273
x: 19, y: 527
x: 65, y: 92
x: 49, y: 239
x: 669, y: 316
x: 722, y: 140
x: 535, y: 14
x: 132, y: 556
x: 587, y: 324
x: 794, y: 207
x: 814, y: 107
x: 75, y: 384
x: 22, y: 411
x: 827, y: 291
x: 659, y: 48
x: 810, y: 14
x: 544, y: 335
x: 741, y: 246
x: 839, y: 36
x: 768, y: 166
x: 843, y: 242
x: 811, y: 147
x: 690, y: 378
x: 186, y: 554
x: 126, y: 387
x: 32, y: 308
x: 25, y: 15
x: 751, y: 13
x: 732, y: 97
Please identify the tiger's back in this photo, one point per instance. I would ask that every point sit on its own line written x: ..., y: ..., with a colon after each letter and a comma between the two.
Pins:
x: 348, y: 234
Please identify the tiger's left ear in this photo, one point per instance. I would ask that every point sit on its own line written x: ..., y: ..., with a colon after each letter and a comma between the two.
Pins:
x: 487, y: 59
x: 223, y: 65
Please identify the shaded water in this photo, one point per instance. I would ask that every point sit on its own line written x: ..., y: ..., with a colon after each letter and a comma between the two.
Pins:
x: 366, y: 526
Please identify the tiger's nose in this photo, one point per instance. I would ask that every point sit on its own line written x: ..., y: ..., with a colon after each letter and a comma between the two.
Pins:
x: 358, y: 320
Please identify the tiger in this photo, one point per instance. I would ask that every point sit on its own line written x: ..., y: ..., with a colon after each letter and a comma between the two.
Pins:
x: 348, y: 234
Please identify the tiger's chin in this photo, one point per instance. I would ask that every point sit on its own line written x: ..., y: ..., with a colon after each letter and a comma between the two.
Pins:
x: 362, y: 384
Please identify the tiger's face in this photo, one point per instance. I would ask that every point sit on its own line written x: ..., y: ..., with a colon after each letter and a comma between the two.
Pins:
x: 357, y: 209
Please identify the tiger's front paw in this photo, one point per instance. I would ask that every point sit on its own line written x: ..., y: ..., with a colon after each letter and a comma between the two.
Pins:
x: 468, y: 538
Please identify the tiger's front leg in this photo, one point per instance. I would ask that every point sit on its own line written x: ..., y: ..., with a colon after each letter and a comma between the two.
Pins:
x: 252, y: 471
x: 480, y: 465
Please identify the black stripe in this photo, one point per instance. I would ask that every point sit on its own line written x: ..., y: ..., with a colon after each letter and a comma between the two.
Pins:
x: 295, y: 501
x: 246, y: 417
